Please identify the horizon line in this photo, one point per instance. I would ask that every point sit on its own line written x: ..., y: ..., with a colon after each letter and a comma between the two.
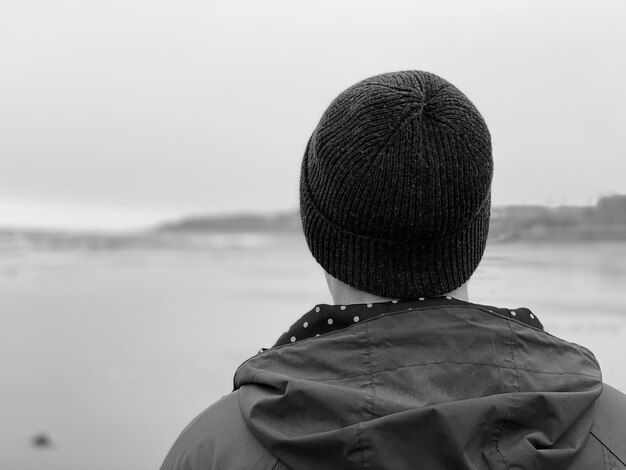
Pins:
x: 128, y: 229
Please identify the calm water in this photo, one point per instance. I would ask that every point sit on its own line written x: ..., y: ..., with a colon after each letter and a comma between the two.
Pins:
x: 112, y: 353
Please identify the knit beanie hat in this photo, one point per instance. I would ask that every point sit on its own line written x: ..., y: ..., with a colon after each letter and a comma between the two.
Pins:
x: 395, y: 186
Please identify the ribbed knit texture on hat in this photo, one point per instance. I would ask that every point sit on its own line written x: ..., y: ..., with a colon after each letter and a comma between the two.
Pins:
x: 395, y: 186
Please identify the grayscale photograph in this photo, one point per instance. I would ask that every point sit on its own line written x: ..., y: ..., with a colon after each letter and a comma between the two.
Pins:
x: 312, y: 235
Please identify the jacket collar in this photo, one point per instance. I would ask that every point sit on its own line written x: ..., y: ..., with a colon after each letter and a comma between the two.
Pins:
x: 323, y: 318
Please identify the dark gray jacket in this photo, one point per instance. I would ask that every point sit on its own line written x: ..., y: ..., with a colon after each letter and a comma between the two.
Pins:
x: 439, y: 387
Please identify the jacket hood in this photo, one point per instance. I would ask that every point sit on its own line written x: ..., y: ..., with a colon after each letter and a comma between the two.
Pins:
x: 437, y: 387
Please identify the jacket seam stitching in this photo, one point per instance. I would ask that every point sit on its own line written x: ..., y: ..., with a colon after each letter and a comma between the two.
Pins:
x: 605, y: 448
x: 519, y: 386
x: 371, y: 371
x: 419, y: 364
x: 513, y: 411
x: 275, y: 464
x: 361, y: 447
x: 607, y: 465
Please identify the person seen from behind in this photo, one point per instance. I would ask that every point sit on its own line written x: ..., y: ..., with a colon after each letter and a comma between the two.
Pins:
x: 403, y: 371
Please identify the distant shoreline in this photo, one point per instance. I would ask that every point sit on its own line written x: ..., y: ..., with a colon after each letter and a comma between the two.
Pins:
x: 606, y: 221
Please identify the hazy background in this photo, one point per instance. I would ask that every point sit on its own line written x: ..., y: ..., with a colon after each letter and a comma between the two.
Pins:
x: 121, y: 318
x: 121, y: 113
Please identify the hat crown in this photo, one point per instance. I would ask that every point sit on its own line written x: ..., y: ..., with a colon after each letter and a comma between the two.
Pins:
x: 400, y: 156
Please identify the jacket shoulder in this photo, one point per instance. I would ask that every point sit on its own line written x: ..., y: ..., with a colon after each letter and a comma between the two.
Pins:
x: 218, y: 439
x: 609, y: 426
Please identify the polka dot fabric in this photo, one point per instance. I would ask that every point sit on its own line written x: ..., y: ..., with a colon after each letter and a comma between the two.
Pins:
x: 323, y: 318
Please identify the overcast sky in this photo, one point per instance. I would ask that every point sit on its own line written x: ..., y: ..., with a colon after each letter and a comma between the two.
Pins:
x: 120, y: 113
